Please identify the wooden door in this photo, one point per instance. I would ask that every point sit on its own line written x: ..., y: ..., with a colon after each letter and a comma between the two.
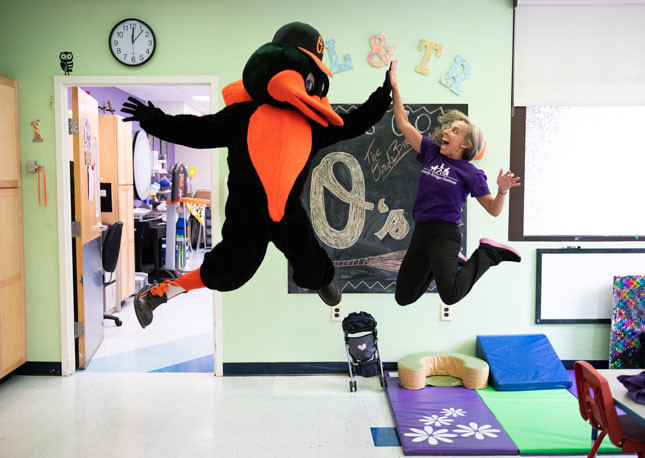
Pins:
x: 126, y: 255
x: 13, y: 326
x: 88, y: 267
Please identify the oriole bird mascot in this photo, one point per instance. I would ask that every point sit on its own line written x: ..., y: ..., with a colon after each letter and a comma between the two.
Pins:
x: 276, y: 119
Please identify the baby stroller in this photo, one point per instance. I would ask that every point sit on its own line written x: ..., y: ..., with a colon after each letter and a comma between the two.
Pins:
x: 363, y: 357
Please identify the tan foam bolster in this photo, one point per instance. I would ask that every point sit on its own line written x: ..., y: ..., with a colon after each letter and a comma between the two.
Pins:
x: 414, y: 368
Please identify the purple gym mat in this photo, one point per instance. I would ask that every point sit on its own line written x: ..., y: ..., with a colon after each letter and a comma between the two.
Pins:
x: 573, y: 389
x: 445, y: 421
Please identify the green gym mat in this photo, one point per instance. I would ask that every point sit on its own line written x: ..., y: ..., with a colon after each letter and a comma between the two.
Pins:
x: 543, y: 422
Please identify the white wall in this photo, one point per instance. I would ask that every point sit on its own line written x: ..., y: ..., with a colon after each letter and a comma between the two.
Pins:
x: 190, y: 157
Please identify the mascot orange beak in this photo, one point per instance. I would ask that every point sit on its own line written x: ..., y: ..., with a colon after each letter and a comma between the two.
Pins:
x: 289, y: 86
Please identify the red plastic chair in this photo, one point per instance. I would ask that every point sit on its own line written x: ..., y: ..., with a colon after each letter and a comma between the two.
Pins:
x: 597, y: 406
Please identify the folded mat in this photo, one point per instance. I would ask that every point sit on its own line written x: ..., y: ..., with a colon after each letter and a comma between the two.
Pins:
x: 521, y: 362
x: 445, y: 421
x: 543, y: 422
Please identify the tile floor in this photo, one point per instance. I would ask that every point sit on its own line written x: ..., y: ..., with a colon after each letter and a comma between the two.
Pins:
x: 118, y: 408
x: 181, y: 414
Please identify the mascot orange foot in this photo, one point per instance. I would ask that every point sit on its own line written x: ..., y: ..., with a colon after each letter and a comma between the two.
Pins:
x: 276, y: 119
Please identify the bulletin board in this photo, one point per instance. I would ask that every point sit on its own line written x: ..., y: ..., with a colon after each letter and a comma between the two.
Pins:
x: 359, y: 197
x: 574, y: 285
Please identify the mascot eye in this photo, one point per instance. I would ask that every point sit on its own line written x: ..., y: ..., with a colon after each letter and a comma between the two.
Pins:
x: 310, y: 82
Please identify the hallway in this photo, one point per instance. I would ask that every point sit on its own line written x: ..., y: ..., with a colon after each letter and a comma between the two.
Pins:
x: 180, y: 339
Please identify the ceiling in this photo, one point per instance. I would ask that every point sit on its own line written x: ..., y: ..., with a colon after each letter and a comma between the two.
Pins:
x: 157, y: 93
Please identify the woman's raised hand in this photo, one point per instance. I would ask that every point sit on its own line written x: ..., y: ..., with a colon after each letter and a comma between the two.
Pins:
x: 506, y: 181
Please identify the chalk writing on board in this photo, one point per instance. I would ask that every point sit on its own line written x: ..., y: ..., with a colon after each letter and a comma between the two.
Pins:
x: 322, y: 179
x: 359, y: 197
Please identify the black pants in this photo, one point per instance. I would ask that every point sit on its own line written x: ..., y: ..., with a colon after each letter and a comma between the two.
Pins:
x: 245, y: 237
x: 432, y: 253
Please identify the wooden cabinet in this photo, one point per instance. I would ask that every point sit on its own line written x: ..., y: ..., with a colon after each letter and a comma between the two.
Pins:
x: 13, y: 323
x: 115, y: 168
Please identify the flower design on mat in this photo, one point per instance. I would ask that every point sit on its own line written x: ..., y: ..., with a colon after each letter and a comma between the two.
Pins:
x: 435, y: 420
x: 452, y: 412
x: 431, y: 435
x: 479, y: 431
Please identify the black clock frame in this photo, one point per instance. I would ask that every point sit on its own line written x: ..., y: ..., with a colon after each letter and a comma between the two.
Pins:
x: 154, y: 38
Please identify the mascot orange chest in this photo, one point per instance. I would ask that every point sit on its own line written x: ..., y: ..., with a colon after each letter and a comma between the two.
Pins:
x: 290, y: 81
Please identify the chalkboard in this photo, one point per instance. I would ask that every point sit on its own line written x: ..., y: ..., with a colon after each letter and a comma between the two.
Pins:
x: 359, y: 196
x: 575, y: 285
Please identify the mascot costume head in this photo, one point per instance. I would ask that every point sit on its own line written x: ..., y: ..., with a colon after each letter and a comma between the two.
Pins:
x: 288, y: 72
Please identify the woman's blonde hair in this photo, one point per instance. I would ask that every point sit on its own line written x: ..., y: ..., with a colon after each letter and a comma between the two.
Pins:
x: 474, y: 136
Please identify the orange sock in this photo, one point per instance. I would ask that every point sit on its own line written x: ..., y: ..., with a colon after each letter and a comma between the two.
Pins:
x: 160, y: 290
x: 191, y: 280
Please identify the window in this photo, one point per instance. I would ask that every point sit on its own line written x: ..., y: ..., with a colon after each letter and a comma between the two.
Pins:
x: 583, y: 173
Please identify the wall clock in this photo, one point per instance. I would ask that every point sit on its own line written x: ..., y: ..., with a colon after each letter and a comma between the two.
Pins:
x: 132, y: 42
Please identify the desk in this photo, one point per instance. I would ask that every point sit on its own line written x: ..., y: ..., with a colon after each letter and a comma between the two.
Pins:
x: 147, y: 244
x: 619, y: 393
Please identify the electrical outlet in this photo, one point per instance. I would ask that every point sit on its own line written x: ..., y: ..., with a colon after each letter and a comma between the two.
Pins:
x: 446, y: 312
x: 337, y: 313
x: 32, y: 166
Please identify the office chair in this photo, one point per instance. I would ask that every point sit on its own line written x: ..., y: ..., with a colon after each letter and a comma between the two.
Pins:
x: 597, y: 406
x: 110, y: 255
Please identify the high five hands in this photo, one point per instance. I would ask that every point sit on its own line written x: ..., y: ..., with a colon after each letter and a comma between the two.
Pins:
x: 506, y: 181
x: 391, y: 74
x: 387, y: 84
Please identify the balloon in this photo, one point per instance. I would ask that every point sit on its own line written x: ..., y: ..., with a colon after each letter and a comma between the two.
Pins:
x: 192, y: 172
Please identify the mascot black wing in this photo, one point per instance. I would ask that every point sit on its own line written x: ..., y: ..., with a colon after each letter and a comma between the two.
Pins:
x: 277, y: 118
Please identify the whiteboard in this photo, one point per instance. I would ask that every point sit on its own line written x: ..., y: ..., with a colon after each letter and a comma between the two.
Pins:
x: 575, y: 285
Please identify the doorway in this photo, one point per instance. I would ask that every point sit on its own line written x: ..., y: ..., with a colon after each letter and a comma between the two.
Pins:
x: 64, y: 196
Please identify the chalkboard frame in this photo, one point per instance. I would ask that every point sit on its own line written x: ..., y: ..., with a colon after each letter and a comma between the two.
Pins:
x: 386, y: 283
x: 539, y: 310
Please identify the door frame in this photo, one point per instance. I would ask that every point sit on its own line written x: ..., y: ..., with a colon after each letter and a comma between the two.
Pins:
x: 63, y: 194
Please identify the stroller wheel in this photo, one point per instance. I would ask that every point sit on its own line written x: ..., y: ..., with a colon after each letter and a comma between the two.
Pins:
x: 352, y: 386
x: 381, y: 381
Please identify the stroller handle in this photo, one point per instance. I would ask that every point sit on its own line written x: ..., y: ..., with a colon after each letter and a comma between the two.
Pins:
x: 359, y: 322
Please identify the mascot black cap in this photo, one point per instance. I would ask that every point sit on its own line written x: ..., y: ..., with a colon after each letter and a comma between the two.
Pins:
x: 306, y: 38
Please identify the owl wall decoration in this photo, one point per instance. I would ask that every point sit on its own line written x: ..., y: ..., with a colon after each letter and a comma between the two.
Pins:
x: 66, y: 61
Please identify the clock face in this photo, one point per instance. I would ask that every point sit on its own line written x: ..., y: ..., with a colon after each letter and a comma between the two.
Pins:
x: 132, y: 42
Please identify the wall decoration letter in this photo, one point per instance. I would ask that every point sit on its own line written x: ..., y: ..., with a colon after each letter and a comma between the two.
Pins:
x: 430, y: 46
x: 377, y: 42
x: 452, y: 80
x: 335, y: 66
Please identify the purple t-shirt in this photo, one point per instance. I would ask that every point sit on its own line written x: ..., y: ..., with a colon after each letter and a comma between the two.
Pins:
x: 444, y: 184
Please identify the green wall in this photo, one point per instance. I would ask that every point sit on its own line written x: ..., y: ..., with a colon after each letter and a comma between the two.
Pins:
x: 261, y: 322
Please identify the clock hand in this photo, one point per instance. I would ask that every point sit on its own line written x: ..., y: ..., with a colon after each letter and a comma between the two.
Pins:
x: 135, y: 38
x: 132, y: 35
